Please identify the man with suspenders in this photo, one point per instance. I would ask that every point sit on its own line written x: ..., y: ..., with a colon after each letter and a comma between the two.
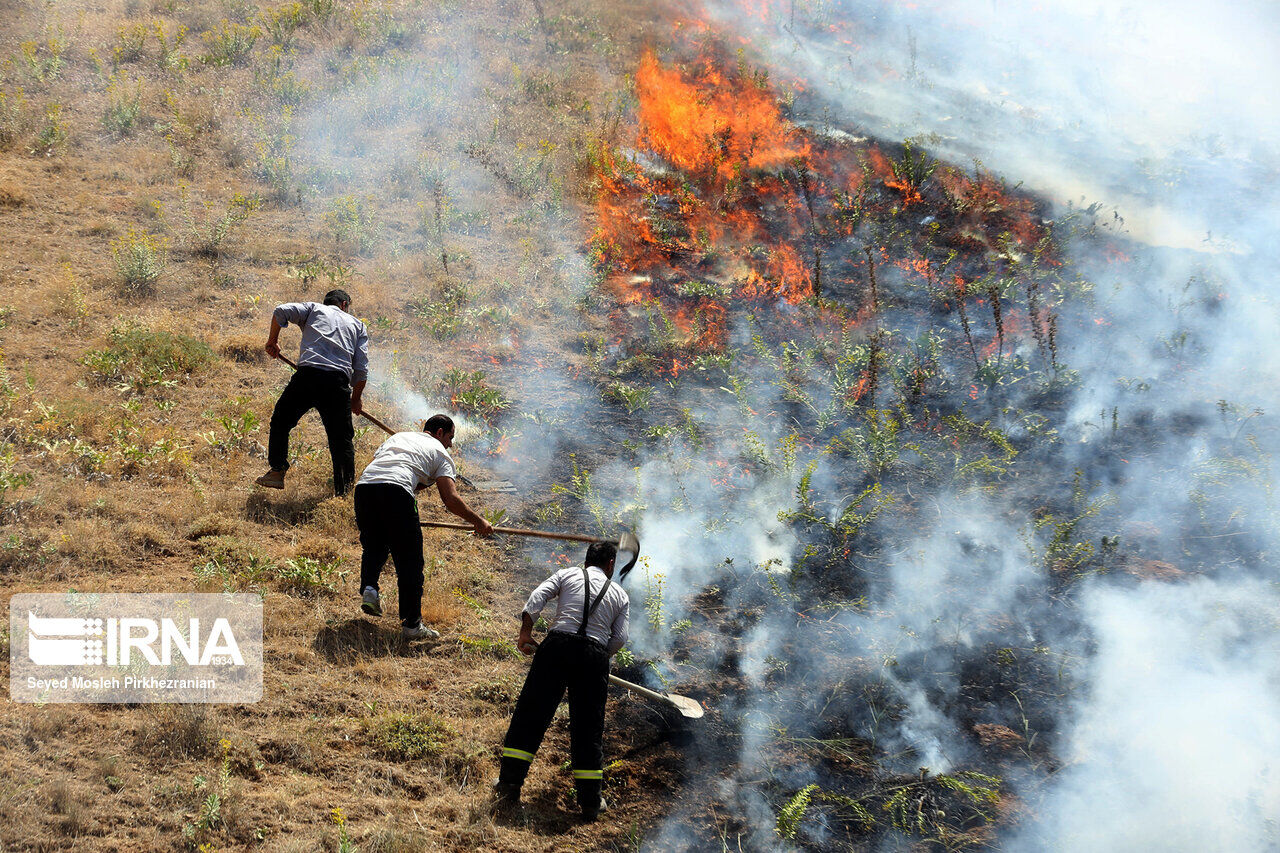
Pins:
x: 590, y: 626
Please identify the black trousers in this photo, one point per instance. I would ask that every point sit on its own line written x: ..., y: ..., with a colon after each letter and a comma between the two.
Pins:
x: 329, y: 393
x: 580, y: 665
x: 387, y: 516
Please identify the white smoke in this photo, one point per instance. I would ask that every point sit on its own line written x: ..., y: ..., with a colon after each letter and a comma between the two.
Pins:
x: 1166, y: 114
x: 1175, y: 745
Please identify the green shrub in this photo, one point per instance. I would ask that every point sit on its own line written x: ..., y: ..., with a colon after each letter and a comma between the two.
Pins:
x: 141, y: 358
x: 306, y: 576
x: 44, y: 61
x: 469, y: 392
x: 123, y: 106
x: 13, y: 117
x: 206, y: 232
x: 52, y: 137
x: 282, y: 23
x: 790, y: 815
x: 353, y: 224
x: 407, y: 737
x: 230, y: 43
x: 140, y: 260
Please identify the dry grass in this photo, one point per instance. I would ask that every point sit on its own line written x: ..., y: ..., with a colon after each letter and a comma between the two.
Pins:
x: 131, y: 524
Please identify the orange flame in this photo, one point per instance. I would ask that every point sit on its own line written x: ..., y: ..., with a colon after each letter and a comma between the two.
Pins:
x: 712, y: 123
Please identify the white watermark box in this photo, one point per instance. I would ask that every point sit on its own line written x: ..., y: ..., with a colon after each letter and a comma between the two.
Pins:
x: 135, y: 647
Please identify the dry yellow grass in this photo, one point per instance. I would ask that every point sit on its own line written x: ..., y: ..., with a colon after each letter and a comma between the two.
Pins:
x: 106, y: 510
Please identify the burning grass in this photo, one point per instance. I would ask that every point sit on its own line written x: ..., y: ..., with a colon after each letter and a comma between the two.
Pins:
x: 820, y: 332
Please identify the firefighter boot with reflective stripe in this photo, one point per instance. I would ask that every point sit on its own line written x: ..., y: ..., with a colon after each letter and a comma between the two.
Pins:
x: 588, y: 783
x: 515, y: 766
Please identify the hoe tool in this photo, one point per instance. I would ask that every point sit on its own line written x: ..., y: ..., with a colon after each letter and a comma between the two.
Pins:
x: 627, y: 542
x: 379, y: 424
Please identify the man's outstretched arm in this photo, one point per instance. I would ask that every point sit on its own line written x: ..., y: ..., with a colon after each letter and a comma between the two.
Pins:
x: 455, y: 504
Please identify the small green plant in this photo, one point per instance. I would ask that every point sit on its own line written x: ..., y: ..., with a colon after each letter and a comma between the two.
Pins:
x: 633, y: 398
x: 237, y: 432
x: 345, y: 844
x: 132, y: 39
x: 309, y: 269
x: 275, y: 78
x: 354, y: 227
x: 654, y: 607
x: 282, y: 23
x: 274, y: 148
x: 44, y: 61
x: 13, y: 117
x: 72, y: 302
x: 124, y: 104
x: 138, y: 358
x: 230, y: 43
x: 168, y: 58
x: 408, y: 737
x: 792, y: 812
x: 485, y: 647
x: 321, y: 10
x: 52, y: 138
x: 140, y: 261
x: 307, y: 576
x: 448, y: 317
x: 209, y: 818
x: 207, y: 232
x: 469, y: 392
x: 8, y: 479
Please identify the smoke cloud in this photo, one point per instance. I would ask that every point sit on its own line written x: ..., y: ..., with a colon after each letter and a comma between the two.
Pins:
x: 1158, y: 115
x: 1160, y: 120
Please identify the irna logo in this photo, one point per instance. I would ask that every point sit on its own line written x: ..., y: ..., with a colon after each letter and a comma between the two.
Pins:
x: 54, y: 641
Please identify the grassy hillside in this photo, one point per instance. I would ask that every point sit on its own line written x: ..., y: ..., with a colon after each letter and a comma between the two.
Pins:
x: 169, y: 171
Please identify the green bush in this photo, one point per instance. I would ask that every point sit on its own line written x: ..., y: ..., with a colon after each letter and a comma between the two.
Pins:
x: 140, y: 260
x: 306, y: 576
x: 407, y: 737
x: 124, y: 105
x: 469, y: 392
x: 230, y: 43
x: 141, y: 358
x: 13, y: 117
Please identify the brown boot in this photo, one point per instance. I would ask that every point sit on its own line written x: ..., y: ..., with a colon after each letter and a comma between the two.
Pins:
x: 273, y: 479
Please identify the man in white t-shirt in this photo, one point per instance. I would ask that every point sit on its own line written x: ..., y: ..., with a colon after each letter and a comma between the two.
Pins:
x: 387, y: 515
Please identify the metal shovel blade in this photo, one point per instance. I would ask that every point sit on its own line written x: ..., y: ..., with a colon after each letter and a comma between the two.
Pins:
x: 690, y: 709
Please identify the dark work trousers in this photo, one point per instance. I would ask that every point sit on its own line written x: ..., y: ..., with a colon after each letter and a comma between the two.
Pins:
x: 581, y: 665
x: 387, y: 516
x: 329, y: 393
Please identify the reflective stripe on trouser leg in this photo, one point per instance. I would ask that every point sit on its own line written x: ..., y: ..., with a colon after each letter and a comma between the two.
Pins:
x: 543, y: 687
x: 588, y: 774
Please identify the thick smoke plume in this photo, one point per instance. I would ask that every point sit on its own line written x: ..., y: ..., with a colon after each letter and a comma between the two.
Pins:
x: 1160, y: 116
x: 1156, y: 718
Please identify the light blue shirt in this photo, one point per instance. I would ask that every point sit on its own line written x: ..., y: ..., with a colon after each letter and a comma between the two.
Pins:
x: 331, y: 338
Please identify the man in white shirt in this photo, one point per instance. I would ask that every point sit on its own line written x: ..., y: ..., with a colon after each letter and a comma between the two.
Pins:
x: 387, y: 515
x: 590, y: 626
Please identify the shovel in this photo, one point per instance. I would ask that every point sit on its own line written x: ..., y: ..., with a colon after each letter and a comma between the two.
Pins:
x: 690, y: 709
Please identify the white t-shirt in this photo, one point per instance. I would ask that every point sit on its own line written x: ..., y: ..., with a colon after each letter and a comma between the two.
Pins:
x: 409, y: 459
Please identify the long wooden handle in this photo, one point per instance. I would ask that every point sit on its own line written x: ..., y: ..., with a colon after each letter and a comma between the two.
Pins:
x: 388, y: 430
x: 643, y: 691
x: 517, y: 531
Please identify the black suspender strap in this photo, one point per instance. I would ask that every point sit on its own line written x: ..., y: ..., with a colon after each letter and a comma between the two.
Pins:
x: 589, y: 606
